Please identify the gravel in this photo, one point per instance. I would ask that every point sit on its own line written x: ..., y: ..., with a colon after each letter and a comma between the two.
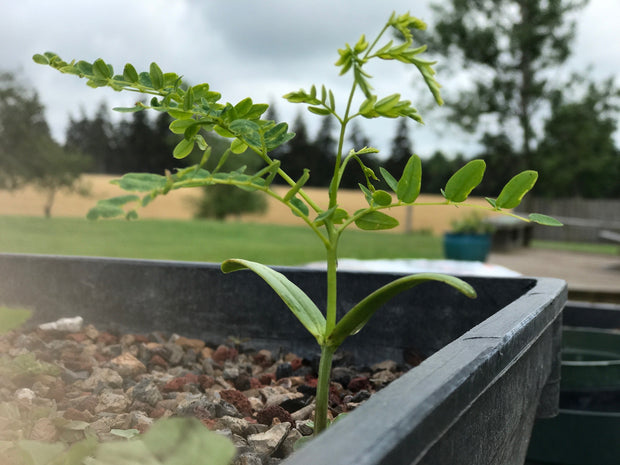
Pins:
x: 65, y: 380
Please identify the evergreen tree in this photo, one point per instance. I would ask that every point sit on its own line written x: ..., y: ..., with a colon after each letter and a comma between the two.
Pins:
x: 509, y: 45
x: 354, y: 176
x: 96, y: 138
x: 400, y: 150
x: 299, y: 151
x: 437, y: 169
x: 322, y: 163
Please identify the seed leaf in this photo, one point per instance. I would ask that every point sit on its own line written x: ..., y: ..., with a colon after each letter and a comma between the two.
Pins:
x: 295, y: 299
x: 464, y: 181
x: 358, y: 316
x: 515, y: 189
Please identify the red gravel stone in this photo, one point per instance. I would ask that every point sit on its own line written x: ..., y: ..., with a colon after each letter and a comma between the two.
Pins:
x: 266, y: 415
x: 222, y: 353
x: 359, y: 383
x: 295, y: 363
x: 158, y: 361
x: 240, y: 401
x: 107, y: 338
x: 206, y: 381
x: 267, y: 378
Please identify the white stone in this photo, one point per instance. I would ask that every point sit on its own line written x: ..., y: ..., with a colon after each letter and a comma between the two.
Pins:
x: 72, y: 325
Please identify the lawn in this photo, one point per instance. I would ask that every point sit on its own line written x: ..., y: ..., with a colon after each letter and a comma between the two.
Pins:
x: 200, y: 240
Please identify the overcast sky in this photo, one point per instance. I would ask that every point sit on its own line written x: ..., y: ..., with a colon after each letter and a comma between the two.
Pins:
x: 262, y: 49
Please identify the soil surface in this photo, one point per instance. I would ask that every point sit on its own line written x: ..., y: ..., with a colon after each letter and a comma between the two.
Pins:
x: 59, y: 383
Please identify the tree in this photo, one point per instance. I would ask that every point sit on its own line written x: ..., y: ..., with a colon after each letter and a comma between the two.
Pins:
x: 400, y: 150
x: 354, y: 175
x: 298, y: 151
x: 96, y: 138
x: 24, y: 133
x: 577, y: 155
x: 502, y: 163
x: 510, y: 46
x: 322, y: 162
x: 219, y: 201
x: 28, y: 153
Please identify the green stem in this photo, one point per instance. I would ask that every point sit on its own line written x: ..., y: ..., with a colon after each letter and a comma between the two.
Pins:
x: 322, y: 390
x: 332, y: 288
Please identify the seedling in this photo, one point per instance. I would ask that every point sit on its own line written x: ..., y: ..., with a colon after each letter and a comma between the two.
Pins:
x: 195, y: 109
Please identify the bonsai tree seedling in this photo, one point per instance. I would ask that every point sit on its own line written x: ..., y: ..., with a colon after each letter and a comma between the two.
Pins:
x: 195, y: 109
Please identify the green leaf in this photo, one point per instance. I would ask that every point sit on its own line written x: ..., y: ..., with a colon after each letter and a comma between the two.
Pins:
x: 277, y: 135
x: 104, y: 210
x: 179, y: 126
x: 40, y: 59
x: 382, y: 198
x: 387, y: 103
x: 544, y: 220
x: 515, y: 189
x: 243, y: 107
x: 129, y: 109
x: 408, y: 187
x: 464, y: 181
x: 295, y: 299
x: 101, y: 69
x: 358, y: 316
x: 130, y: 74
x: 110, y: 208
x: 491, y: 202
x: 183, y: 148
x: 326, y: 215
x: 248, y: 131
x: 141, y: 182
x: 156, y: 75
x: 169, y: 441
x: 389, y: 179
x: 319, y: 111
x: 237, y: 146
x: 125, y: 433
x: 188, y: 99
x: 300, y: 205
x: 375, y: 220
x: 40, y: 453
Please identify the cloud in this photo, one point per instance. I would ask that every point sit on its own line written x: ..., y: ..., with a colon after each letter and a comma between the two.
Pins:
x: 242, y: 47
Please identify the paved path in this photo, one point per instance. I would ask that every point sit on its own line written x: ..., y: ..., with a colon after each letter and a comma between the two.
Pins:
x: 584, y: 272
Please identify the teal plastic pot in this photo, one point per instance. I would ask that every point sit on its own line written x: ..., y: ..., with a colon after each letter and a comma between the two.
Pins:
x: 472, y: 247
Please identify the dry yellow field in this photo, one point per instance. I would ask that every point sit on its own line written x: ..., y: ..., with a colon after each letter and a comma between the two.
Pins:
x: 180, y: 205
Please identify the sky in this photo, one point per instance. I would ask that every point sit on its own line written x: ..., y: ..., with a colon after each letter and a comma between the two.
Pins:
x: 261, y: 49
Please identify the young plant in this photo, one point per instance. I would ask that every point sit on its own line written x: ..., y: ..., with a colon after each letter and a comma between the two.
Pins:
x: 198, y: 108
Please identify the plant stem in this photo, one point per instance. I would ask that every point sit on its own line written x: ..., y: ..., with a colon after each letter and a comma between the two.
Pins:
x: 322, y: 390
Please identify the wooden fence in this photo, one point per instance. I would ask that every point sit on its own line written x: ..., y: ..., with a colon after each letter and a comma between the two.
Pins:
x: 584, y: 219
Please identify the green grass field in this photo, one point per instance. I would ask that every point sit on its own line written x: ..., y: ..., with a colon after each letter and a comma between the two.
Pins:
x: 208, y: 241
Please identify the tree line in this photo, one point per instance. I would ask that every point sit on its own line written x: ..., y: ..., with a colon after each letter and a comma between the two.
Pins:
x: 521, y: 117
